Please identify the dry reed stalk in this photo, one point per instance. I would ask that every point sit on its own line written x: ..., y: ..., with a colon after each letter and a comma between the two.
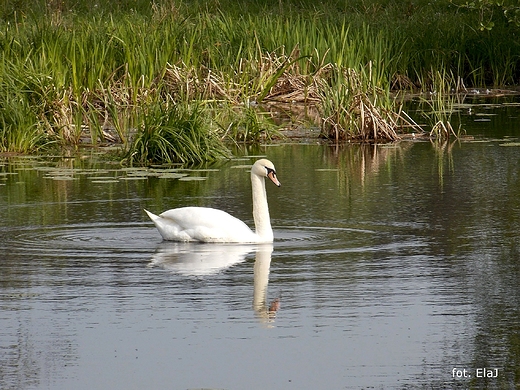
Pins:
x: 443, y: 130
x: 358, y: 111
x: 188, y: 83
x: 62, y: 117
x: 291, y: 88
x: 355, y: 112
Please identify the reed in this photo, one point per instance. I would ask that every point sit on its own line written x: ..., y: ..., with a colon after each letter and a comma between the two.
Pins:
x: 80, y: 73
x: 22, y: 104
x: 245, y: 124
x: 441, y: 105
x: 20, y: 129
x: 353, y: 108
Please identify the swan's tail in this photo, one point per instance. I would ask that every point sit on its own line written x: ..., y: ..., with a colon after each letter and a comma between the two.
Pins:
x: 167, y: 227
x: 159, y: 223
x: 152, y: 216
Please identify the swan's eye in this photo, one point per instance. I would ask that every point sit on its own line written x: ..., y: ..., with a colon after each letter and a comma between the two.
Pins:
x: 270, y: 171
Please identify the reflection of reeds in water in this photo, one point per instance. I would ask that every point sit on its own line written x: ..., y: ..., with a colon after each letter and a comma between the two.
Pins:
x: 357, y: 164
x: 443, y: 149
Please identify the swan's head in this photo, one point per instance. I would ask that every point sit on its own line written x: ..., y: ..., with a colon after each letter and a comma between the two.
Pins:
x: 265, y: 168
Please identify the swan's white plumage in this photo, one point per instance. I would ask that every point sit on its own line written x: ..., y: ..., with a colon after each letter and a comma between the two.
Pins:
x: 213, y: 225
x: 201, y: 224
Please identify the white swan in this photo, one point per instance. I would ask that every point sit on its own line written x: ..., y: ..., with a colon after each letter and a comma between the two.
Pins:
x: 212, y: 225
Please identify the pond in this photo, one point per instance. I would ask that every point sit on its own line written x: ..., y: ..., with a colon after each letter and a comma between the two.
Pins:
x: 393, y: 266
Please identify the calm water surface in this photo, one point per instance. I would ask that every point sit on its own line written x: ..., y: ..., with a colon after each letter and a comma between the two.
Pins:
x: 393, y: 267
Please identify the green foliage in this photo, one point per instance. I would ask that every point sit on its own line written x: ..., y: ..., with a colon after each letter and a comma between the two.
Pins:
x: 77, y: 67
x: 488, y: 9
x: 20, y: 129
x: 353, y: 108
x: 174, y: 133
x: 246, y: 124
x: 22, y: 108
x: 441, y: 103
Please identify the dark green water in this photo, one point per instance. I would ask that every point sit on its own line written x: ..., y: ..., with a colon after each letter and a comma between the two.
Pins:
x: 393, y: 266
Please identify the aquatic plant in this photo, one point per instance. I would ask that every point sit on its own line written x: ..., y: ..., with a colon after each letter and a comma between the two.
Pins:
x: 22, y: 127
x: 84, y: 73
x: 353, y: 108
x: 174, y: 133
x: 246, y: 124
x: 441, y: 104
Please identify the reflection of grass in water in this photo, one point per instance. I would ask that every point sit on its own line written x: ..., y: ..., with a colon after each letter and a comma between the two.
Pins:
x: 443, y: 153
x: 133, y: 178
x: 61, y: 178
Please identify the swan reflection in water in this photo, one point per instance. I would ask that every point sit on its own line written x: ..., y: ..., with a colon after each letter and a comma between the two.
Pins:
x: 196, y: 259
x: 266, y: 313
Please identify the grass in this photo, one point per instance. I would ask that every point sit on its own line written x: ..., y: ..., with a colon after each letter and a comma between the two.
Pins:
x: 81, y: 72
x: 443, y: 97
x: 172, y: 133
x: 21, y: 129
x: 246, y: 124
x: 354, y: 108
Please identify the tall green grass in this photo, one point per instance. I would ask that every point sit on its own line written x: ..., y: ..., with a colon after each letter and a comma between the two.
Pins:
x: 441, y: 102
x: 172, y: 133
x: 70, y: 66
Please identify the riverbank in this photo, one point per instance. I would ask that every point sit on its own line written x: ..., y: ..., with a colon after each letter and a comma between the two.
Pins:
x: 114, y: 72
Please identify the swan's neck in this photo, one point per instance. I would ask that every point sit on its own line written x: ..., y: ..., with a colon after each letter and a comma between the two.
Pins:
x: 261, y: 209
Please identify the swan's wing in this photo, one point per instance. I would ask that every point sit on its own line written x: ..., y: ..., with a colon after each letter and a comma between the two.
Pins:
x: 189, y: 217
x: 202, y: 224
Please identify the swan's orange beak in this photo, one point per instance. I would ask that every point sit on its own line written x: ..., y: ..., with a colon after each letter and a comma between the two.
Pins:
x: 272, y: 175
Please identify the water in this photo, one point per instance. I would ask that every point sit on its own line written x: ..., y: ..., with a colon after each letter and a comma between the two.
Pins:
x: 393, y: 267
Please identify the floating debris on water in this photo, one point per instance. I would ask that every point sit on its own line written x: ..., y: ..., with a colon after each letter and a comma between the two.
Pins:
x: 172, y: 175
x: 193, y: 178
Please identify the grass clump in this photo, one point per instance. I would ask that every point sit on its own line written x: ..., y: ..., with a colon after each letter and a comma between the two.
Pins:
x: 22, y: 108
x: 352, y: 108
x: 20, y: 129
x: 441, y: 103
x: 246, y: 125
x: 174, y: 133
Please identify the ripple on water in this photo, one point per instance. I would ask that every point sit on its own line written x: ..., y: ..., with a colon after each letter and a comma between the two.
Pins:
x: 139, y: 240
x: 331, y: 240
x: 83, y: 240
